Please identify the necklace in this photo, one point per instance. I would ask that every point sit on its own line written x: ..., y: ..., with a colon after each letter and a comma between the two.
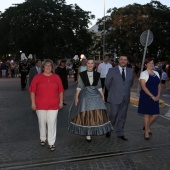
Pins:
x: 150, y: 72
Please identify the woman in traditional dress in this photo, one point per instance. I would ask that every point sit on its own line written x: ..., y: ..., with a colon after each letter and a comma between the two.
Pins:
x: 88, y: 115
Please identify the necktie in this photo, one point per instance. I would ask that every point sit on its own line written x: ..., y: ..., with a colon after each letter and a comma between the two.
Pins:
x: 123, y: 74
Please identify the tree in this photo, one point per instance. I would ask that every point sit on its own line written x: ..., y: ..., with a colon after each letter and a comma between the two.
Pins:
x: 47, y: 28
x: 125, y: 25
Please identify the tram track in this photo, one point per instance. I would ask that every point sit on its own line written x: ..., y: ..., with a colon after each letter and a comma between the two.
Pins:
x: 49, y: 162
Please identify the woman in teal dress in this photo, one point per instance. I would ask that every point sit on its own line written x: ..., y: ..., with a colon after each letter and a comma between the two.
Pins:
x: 88, y: 114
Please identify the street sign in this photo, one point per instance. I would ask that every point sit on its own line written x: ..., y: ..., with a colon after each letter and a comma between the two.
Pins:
x: 143, y: 38
x: 146, y: 39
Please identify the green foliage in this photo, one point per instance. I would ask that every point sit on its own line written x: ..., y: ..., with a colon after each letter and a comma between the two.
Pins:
x: 125, y: 25
x: 47, y: 28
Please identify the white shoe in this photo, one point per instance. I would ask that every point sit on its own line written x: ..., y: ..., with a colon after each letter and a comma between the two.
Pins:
x: 88, y: 138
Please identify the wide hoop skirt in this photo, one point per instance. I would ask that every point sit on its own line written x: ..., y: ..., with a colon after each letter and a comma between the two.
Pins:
x: 90, y: 116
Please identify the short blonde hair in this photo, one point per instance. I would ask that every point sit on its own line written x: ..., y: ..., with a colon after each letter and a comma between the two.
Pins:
x: 45, y: 62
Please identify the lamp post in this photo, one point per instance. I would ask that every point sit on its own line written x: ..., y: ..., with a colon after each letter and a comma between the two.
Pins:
x: 104, y: 29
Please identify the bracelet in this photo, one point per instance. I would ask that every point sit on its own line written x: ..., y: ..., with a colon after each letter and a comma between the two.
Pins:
x: 151, y: 97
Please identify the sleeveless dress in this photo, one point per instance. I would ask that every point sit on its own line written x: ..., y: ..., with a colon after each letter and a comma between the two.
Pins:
x: 146, y: 104
x: 90, y: 116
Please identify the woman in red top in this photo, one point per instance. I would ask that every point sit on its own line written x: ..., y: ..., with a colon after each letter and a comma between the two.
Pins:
x: 46, y: 91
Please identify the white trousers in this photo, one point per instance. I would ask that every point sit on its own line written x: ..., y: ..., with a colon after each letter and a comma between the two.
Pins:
x: 47, y: 120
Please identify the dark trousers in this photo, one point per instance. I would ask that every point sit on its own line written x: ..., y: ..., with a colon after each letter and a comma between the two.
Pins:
x: 105, y: 90
x: 12, y: 73
x: 75, y: 75
x: 23, y: 81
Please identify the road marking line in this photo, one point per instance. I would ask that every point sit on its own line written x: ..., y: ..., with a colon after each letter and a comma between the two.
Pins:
x: 165, y: 117
x: 134, y: 105
x: 166, y: 95
x: 167, y: 104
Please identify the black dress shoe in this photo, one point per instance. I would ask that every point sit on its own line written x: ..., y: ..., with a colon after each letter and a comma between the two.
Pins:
x: 146, y: 138
x: 108, y: 134
x: 123, y: 138
x: 88, y: 140
x: 150, y: 133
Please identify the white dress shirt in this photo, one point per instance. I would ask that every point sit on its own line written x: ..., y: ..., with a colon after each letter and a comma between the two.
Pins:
x: 103, y: 69
x: 38, y: 69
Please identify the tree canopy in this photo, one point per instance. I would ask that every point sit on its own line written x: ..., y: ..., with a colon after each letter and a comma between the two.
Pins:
x: 47, y: 28
x: 125, y: 25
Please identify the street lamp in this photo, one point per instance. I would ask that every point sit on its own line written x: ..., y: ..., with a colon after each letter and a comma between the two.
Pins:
x: 104, y: 29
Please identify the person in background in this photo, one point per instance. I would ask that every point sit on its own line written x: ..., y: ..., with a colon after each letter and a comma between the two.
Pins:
x: 163, y: 78
x: 62, y: 72
x: 35, y: 70
x: 75, y: 67
x: 160, y: 68
x: 88, y: 114
x: 103, y: 70
x: 112, y: 63
x: 24, y: 70
x: 136, y: 70
x: 8, y: 71
x: 3, y: 69
x: 83, y: 66
x: 16, y: 69
x: 129, y: 65
x: 168, y: 72
x: 13, y: 65
x: 69, y: 69
x: 31, y: 61
x: 46, y: 92
x: 118, y: 82
x: 149, y: 96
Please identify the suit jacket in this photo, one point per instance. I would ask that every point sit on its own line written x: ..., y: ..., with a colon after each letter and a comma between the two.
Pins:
x: 32, y: 73
x: 117, y: 88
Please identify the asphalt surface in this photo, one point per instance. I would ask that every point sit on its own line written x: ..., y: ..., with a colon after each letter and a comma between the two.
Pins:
x: 20, y: 148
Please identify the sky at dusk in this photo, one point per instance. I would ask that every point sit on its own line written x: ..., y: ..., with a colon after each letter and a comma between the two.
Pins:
x: 95, y: 6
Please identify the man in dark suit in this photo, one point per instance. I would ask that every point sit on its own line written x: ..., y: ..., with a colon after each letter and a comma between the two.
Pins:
x: 118, y: 82
x: 35, y: 70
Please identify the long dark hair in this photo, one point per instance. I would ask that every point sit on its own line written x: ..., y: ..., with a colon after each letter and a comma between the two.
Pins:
x: 62, y: 61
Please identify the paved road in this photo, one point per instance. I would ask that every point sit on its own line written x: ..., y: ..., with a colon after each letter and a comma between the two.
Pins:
x: 20, y: 149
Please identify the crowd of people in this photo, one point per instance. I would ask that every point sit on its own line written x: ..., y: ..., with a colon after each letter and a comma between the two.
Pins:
x: 98, y: 85
x: 9, y: 69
